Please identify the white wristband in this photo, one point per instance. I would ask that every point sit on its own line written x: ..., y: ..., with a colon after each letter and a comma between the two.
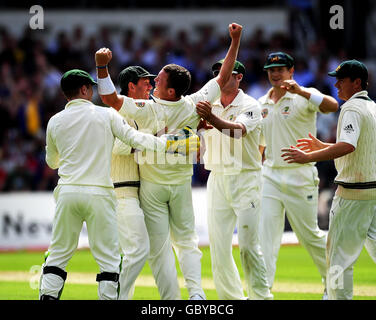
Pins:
x: 105, y: 86
x: 316, y: 99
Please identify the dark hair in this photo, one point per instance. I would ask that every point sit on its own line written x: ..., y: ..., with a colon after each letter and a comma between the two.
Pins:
x: 73, y: 92
x: 363, y: 84
x: 179, y: 78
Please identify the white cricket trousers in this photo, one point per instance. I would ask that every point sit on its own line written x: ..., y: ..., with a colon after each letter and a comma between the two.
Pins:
x: 170, y: 222
x: 234, y: 200
x: 294, y: 192
x: 74, y: 205
x: 351, y: 223
x: 134, y: 243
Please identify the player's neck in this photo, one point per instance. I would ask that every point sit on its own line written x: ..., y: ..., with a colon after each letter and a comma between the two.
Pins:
x: 228, y: 96
x: 277, y: 93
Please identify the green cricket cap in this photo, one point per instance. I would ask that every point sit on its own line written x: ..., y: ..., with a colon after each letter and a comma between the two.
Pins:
x: 238, y: 66
x: 279, y: 59
x: 350, y: 68
x: 132, y: 74
x: 74, y: 79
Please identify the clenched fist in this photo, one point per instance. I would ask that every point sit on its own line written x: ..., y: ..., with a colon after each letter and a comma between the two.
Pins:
x: 235, y: 30
x: 103, y: 56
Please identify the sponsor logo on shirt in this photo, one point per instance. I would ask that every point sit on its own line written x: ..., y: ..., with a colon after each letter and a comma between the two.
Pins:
x: 286, y: 110
x: 249, y: 114
x: 265, y: 112
x: 349, y: 128
x: 140, y: 104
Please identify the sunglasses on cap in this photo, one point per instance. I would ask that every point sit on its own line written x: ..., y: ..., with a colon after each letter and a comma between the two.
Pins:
x: 216, y: 73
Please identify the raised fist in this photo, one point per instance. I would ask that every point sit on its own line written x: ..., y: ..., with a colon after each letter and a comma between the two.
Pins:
x: 103, y: 56
x: 235, y: 30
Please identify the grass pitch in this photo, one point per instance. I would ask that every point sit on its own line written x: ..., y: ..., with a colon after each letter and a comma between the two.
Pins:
x: 296, y: 278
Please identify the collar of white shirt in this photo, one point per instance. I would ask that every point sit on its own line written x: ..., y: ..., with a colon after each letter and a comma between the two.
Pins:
x: 238, y: 100
x: 76, y: 102
x: 363, y: 93
x: 167, y: 102
x: 266, y: 98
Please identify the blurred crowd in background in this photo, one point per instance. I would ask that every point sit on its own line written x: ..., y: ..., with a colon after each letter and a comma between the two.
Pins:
x: 30, y: 71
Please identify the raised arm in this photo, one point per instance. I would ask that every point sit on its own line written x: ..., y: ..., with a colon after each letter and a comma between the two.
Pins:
x: 235, y: 31
x: 324, y: 102
x: 106, y: 88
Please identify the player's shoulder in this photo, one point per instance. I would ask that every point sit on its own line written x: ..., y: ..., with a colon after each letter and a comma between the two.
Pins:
x: 55, y: 118
x: 249, y: 101
x: 353, y: 105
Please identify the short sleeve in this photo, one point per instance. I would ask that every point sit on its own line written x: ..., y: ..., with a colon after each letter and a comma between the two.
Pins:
x: 350, y: 130
x: 250, y: 118
x: 139, y: 110
x: 210, y: 92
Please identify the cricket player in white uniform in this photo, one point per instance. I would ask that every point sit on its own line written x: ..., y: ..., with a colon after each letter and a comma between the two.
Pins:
x: 134, y: 82
x: 165, y: 191
x: 79, y: 143
x: 289, y: 112
x: 234, y: 188
x: 353, y: 212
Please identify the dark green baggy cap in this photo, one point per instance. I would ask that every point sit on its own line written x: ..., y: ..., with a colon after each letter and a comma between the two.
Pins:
x: 74, y: 79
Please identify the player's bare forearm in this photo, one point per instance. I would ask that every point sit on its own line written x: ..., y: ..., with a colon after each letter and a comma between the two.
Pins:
x: 328, y: 103
x: 230, y: 128
x: 337, y: 150
x: 113, y: 100
x: 235, y: 31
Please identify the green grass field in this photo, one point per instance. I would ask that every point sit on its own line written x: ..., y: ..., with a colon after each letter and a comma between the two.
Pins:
x: 296, y: 279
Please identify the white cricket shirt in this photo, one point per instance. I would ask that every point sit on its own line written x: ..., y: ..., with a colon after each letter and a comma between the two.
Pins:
x: 228, y: 155
x: 291, y: 118
x: 80, y: 138
x: 356, y: 171
x: 155, y: 114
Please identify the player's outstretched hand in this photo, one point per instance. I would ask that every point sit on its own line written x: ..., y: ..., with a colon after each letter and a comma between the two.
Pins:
x: 310, y: 144
x: 103, y: 57
x: 294, y: 155
x: 235, y: 30
x: 204, y: 110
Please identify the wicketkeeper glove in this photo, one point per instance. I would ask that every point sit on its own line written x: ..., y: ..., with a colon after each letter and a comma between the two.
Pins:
x: 184, y: 142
